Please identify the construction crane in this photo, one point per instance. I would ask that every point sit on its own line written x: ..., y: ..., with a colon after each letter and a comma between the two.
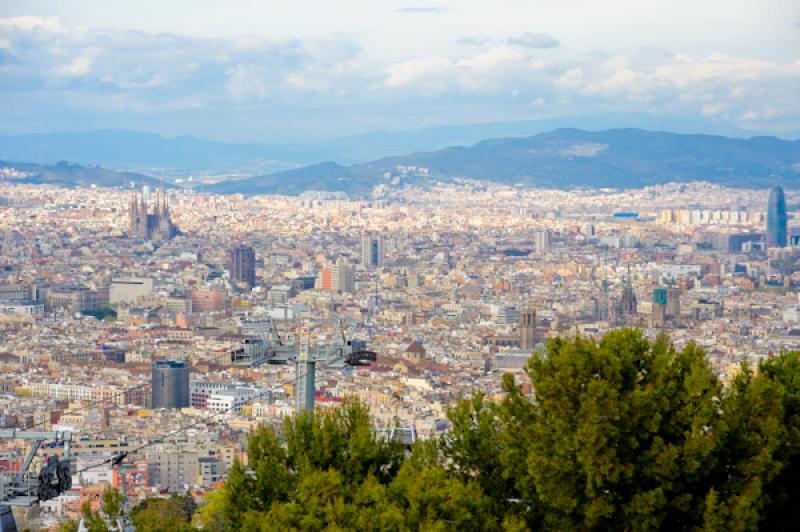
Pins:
x: 268, y: 348
x: 21, y: 488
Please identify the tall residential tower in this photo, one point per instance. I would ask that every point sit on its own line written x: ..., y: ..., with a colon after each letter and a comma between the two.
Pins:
x: 372, y: 250
x: 243, y: 265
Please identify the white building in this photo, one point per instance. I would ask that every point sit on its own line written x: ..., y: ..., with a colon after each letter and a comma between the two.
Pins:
x: 129, y: 290
x: 22, y: 308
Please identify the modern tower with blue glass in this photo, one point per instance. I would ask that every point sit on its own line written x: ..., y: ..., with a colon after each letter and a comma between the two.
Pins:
x: 776, y: 219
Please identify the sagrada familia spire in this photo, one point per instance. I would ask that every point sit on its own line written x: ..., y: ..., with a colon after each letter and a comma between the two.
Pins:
x: 151, y: 224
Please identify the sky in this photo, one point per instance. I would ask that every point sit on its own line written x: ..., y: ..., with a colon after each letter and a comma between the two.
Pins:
x: 289, y: 70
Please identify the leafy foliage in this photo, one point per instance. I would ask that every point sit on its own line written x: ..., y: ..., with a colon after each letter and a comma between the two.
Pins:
x: 624, y: 434
x: 173, y: 514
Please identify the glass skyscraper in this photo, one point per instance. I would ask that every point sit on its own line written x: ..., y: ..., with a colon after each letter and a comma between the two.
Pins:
x: 776, y: 219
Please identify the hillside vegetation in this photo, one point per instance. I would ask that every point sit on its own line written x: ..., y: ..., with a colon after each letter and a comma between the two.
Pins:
x: 623, y: 434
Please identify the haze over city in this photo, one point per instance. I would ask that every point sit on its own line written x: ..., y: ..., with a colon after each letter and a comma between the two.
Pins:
x: 521, y: 265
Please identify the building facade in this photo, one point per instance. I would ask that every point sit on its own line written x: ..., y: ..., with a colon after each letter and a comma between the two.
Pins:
x: 526, y: 327
x: 243, y: 265
x: 150, y: 223
x: 776, y: 219
x: 170, y: 384
x: 372, y: 250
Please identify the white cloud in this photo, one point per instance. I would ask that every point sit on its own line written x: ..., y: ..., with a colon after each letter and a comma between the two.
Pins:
x: 134, y: 71
x: 80, y: 66
x: 427, y: 72
x: 29, y: 23
x: 535, y: 40
x: 246, y: 83
x: 712, y: 109
x: 41, y: 54
x: 472, y: 40
x: 571, y: 78
x: 498, y: 69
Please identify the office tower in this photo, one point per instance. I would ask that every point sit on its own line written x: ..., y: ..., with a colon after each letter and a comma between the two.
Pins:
x: 776, y: 219
x: 243, y: 265
x: 170, y: 384
x: 343, y: 276
x: 541, y: 240
x: 150, y: 223
x: 659, y: 315
x: 371, y: 250
x: 526, y: 328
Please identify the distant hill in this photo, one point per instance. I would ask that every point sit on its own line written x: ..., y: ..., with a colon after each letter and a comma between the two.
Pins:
x: 71, y: 175
x: 154, y: 154
x: 327, y: 176
x: 566, y: 158
x: 131, y: 149
x: 563, y: 158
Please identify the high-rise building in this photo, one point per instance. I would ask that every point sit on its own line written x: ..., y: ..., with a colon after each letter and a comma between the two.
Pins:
x: 673, y: 302
x: 372, y: 250
x: 150, y: 224
x: 173, y: 469
x: 659, y: 315
x: 170, y: 384
x: 541, y: 240
x: 243, y: 265
x: 326, y: 279
x: 343, y: 276
x: 526, y: 328
x: 776, y: 219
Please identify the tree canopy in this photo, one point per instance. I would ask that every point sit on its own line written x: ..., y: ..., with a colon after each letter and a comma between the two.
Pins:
x: 621, y: 434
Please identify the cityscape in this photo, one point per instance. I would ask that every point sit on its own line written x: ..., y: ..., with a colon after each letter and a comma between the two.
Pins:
x: 241, y: 334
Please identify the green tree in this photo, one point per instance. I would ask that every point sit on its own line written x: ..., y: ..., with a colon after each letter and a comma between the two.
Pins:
x: 225, y: 509
x: 624, y: 434
x: 783, y: 490
x: 472, y: 448
x: 173, y: 514
x: 759, y: 459
x: 618, y: 435
x: 328, y: 458
x: 341, y: 439
x: 433, y: 499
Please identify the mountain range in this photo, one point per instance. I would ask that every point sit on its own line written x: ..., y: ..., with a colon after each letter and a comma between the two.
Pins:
x: 188, y: 155
x: 564, y: 158
x: 68, y: 174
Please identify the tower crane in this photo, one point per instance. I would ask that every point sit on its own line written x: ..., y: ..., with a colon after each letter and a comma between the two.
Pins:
x: 268, y: 348
x: 23, y: 488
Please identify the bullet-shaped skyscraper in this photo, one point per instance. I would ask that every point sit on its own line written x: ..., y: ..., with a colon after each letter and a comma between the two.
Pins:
x: 776, y: 219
